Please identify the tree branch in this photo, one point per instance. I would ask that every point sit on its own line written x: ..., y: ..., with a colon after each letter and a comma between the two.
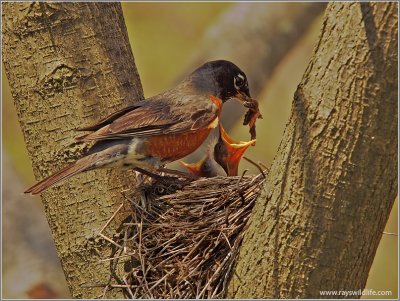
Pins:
x: 68, y: 65
x: 333, y: 182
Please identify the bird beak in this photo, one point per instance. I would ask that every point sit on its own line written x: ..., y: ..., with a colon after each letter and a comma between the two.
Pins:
x: 192, y: 167
x: 235, y: 154
x: 235, y: 151
x: 247, y: 101
x: 228, y: 140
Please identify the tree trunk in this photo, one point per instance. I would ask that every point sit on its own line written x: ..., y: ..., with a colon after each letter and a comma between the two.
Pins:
x: 68, y: 65
x: 334, y: 180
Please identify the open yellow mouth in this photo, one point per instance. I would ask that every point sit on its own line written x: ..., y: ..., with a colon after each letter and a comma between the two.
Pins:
x: 236, y: 149
x: 228, y: 140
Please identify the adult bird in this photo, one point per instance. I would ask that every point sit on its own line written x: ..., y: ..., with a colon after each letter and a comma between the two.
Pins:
x: 161, y: 129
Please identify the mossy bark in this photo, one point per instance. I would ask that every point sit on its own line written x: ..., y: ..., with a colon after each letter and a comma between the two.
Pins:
x: 334, y: 180
x: 70, y: 64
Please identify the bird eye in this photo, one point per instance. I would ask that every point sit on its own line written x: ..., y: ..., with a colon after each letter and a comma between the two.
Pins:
x: 239, y: 81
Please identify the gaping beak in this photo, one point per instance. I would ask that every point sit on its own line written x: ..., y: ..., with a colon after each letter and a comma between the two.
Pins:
x: 228, y: 140
x: 235, y: 151
x: 193, y: 168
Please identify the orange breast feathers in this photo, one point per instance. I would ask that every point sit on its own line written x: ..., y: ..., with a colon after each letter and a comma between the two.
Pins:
x: 175, y: 146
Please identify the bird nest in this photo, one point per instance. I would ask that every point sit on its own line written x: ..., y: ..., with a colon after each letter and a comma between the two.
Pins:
x: 185, y: 236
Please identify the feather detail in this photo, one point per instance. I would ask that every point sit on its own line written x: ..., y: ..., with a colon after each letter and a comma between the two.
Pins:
x: 63, y: 174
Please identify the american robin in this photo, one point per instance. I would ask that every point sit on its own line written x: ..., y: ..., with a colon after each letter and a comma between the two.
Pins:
x: 225, y: 151
x: 164, y: 128
x: 228, y: 152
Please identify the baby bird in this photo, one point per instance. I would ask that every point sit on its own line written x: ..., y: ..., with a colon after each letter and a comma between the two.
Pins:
x: 228, y: 152
x: 206, y: 167
x: 225, y: 151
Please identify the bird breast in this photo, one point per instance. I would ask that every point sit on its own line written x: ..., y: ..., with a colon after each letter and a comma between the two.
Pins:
x: 176, y: 146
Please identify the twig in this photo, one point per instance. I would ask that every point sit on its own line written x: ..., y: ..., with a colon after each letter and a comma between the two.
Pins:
x: 111, y: 218
x: 128, y: 287
x: 121, y: 256
x: 111, y: 241
x: 390, y: 233
x: 105, y: 291
x: 256, y: 165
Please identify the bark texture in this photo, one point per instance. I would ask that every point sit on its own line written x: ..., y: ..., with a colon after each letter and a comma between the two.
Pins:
x: 256, y: 37
x: 334, y: 180
x: 69, y: 64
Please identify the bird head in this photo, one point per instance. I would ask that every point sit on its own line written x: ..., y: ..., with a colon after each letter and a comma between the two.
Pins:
x: 224, y: 80
x: 228, y: 152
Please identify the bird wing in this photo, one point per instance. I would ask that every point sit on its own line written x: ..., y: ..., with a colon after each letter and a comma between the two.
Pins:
x: 110, y: 118
x: 157, y: 116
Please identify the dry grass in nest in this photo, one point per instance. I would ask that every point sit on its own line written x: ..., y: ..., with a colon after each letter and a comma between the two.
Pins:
x: 185, y: 236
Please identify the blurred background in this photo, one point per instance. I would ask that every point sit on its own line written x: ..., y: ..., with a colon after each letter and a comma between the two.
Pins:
x: 271, y: 42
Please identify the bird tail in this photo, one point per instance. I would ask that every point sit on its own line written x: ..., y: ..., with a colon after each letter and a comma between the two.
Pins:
x: 63, y: 174
x: 81, y: 138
